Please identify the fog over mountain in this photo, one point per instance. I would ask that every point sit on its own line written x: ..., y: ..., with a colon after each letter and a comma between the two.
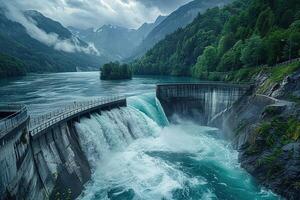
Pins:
x: 96, y: 13
x: 120, y: 43
x: 98, y: 31
x: 40, y: 28
x: 115, y: 42
x: 41, y: 44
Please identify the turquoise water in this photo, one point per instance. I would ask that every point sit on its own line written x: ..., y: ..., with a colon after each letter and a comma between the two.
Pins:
x: 155, y: 160
x: 134, y: 152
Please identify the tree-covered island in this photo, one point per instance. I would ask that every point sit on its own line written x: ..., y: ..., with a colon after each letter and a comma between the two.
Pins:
x: 115, y: 71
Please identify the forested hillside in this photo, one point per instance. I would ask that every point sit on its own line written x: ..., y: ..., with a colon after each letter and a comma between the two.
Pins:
x: 36, y: 56
x: 10, y: 66
x: 241, y: 35
x: 180, y: 18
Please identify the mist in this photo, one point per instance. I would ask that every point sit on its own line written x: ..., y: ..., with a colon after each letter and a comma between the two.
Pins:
x: 71, y: 45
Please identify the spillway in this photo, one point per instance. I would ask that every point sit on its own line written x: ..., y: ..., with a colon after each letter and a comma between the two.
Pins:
x: 135, y: 153
x: 199, y: 102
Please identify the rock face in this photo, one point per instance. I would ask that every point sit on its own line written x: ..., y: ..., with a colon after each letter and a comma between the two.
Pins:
x: 290, y: 87
x: 266, y: 132
x: 237, y: 122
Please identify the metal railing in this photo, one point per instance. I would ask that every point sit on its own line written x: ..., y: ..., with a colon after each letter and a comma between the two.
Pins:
x: 287, y: 62
x: 43, y: 122
x: 19, y: 115
x: 212, y: 83
x: 281, y: 63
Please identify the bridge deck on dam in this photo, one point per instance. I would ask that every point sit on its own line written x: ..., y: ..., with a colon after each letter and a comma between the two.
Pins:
x: 74, y: 110
x: 32, y: 150
x: 11, y: 116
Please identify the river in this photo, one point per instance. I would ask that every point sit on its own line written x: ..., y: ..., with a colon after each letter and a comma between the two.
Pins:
x: 134, y: 152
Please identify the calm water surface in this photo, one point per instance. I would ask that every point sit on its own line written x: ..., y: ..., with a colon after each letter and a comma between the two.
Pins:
x: 46, y: 92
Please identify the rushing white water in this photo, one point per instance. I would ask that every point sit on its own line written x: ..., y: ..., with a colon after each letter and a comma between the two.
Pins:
x: 135, y: 154
x: 216, y: 100
x: 149, y: 105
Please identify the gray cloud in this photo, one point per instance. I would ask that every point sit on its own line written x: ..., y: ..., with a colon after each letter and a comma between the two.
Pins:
x: 50, y: 39
x: 166, y: 6
x: 95, y: 13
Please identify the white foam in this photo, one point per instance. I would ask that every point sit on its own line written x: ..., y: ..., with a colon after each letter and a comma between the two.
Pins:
x: 126, y: 148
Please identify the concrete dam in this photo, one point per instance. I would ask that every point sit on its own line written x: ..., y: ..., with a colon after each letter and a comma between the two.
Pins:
x: 199, y: 101
x: 52, y: 156
x: 42, y: 158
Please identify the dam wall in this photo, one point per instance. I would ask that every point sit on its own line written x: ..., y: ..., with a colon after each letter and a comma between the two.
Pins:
x: 200, y: 102
x: 61, y: 164
x: 18, y: 175
x: 46, y: 161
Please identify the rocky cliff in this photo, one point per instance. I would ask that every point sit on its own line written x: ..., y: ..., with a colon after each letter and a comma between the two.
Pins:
x: 265, y: 128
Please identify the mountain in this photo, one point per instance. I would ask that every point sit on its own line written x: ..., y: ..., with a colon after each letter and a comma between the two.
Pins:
x: 228, y: 43
x: 178, y: 19
x: 36, y: 56
x: 146, y: 28
x: 10, y: 66
x: 48, y: 25
x: 115, y: 42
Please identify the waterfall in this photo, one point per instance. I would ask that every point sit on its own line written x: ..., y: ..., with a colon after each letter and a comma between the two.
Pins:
x: 135, y: 154
x: 197, y: 102
x: 112, y: 131
x: 151, y: 106
x: 217, y: 100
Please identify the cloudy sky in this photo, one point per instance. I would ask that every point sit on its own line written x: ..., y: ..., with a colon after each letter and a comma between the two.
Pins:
x: 95, y: 13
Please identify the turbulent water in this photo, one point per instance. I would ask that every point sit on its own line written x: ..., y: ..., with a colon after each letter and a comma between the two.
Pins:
x: 135, y: 154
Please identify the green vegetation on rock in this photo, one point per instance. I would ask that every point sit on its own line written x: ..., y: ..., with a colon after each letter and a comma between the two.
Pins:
x: 277, y: 74
x: 279, y: 130
x: 115, y: 71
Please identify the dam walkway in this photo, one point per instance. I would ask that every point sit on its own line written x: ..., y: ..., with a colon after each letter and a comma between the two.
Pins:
x: 12, y: 116
x: 33, y: 149
x: 73, y: 111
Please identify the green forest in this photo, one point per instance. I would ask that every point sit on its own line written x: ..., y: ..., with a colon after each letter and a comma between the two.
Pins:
x: 37, y: 57
x: 115, y: 71
x: 10, y: 66
x: 242, y: 35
